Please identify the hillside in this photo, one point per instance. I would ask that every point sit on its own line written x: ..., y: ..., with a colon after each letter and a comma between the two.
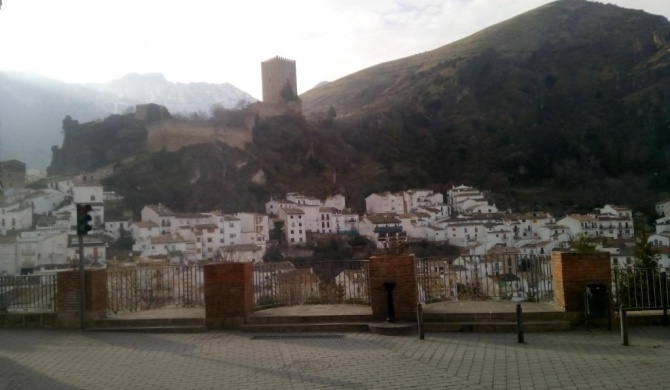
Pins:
x: 570, y: 96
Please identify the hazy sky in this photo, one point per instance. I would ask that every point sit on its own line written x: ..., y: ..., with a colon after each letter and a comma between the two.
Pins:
x: 225, y: 41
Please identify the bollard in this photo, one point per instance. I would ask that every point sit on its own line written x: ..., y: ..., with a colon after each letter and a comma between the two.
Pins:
x: 664, y: 297
x: 519, y: 324
x: 624, y: 325
x: 419, y: 318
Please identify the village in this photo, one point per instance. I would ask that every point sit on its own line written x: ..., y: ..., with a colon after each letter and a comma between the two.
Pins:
x: 38, y: 235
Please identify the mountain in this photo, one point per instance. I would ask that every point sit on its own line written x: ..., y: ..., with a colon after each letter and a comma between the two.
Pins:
x: 569, y: 98
x: 563, y: 107
x: 33, y: 107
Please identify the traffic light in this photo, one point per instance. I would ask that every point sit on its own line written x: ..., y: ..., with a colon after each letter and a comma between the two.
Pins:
x: 83, y: 219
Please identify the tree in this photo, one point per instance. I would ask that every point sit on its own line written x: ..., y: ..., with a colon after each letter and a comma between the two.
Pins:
x: 287, y: 93
x: 583, y: 244
x: 645, y: 255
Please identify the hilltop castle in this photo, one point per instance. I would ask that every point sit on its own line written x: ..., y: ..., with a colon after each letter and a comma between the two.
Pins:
x: 279, y: 80
x: 279, y: 98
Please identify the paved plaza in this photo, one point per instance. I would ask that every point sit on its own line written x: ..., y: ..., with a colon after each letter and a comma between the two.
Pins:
x: 579, y: 359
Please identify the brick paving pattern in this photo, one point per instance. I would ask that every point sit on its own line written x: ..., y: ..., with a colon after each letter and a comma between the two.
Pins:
x: 232, y: 360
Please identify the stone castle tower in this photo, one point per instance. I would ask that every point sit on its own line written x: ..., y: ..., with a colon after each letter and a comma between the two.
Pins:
x: 277, y: 72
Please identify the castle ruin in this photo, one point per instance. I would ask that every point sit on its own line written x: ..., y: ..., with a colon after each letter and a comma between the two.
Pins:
x: 277, y: 74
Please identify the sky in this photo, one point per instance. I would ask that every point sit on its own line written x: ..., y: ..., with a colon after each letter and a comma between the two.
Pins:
x: 219, y: 41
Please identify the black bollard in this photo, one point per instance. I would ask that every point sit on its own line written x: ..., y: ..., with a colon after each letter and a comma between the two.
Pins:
x: 389, y: 293
x: 623, y: 316
x: 419, y: 317
x: 519, y: 324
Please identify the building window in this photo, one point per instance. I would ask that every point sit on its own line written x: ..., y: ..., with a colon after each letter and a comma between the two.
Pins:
x: 92, y: 198
x: 209, y: 239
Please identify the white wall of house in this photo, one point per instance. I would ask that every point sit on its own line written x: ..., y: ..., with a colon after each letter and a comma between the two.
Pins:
x: 337, y: 201
x: 294, y: 226
x: 386, y: 202
x: 274, y: 205
x: 47, y: 201
x: 663, y: 207
x: 94, y: 248
x: 15, y: 217
x: 87, y: 194
x: 659, y: 239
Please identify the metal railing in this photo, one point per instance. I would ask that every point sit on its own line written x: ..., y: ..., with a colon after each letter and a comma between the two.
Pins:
x: 486, y: 277
x: 28, y: 293
x: 324, y: 282
x: 640, y: 288
x: 132, y: 289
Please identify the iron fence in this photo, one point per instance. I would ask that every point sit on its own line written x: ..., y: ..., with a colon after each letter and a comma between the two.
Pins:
x: 486, y: 277
x: 28, y: 293
x: 324, y: 282
x: 640, y: 288
x: 141, y: 288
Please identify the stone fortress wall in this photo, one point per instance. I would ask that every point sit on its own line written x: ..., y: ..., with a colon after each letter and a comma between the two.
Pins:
x: 164, y: 133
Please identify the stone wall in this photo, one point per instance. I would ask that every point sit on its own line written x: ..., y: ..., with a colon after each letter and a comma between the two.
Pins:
x: 174, y: 135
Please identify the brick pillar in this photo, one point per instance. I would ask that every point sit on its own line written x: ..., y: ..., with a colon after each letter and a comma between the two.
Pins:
x: 68, y: 304
x: 229, y: 294
x: 400, y: 269
x: 572, y: 272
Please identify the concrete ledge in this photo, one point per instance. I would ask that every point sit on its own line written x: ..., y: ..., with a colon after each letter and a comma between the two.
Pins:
x: 393, y: 329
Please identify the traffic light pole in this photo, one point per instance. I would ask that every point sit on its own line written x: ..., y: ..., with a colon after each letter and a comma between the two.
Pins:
x: 82, y: 281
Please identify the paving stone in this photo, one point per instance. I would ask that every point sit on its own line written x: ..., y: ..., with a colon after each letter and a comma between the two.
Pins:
x: 38, y: 359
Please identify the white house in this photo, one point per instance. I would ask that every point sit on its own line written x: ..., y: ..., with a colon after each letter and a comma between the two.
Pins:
x: 46, y: 201
x: 160, y: 215
x: 88, y: 194
x: 383, y: 229
x: 663, y: 207
x: 94, y: 248
x: 165, y: 244
x: 294, y: 225
x: 64, y: 185
x: 40, y: 248
x: 15, y: 216
x: 114, y: 226
x: 346, y: 222
x: 585, y: 225
x: 143, y: 230
x: 386, y: 202
x: 337, y: 201
x: 274, y: 205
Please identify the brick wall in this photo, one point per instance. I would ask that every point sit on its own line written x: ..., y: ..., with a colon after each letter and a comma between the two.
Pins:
x: 68, y: 303
x: 229, y: 294
x: 572, y: 272
x: 402, y: 270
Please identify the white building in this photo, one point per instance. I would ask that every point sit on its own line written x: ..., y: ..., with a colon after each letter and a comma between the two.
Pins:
x: 41, y: 248
x: 255, y: 229
x: 15, y: 216
x: 46, y: 201
x: 663, y: 207
x: 294, y: 225
x: 383, y: 229
x: 386, y: 202
x: 94, y: 249
x: 142, y: 231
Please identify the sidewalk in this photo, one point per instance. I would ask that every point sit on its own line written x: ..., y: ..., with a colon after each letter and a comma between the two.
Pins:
x: 234, y: 360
